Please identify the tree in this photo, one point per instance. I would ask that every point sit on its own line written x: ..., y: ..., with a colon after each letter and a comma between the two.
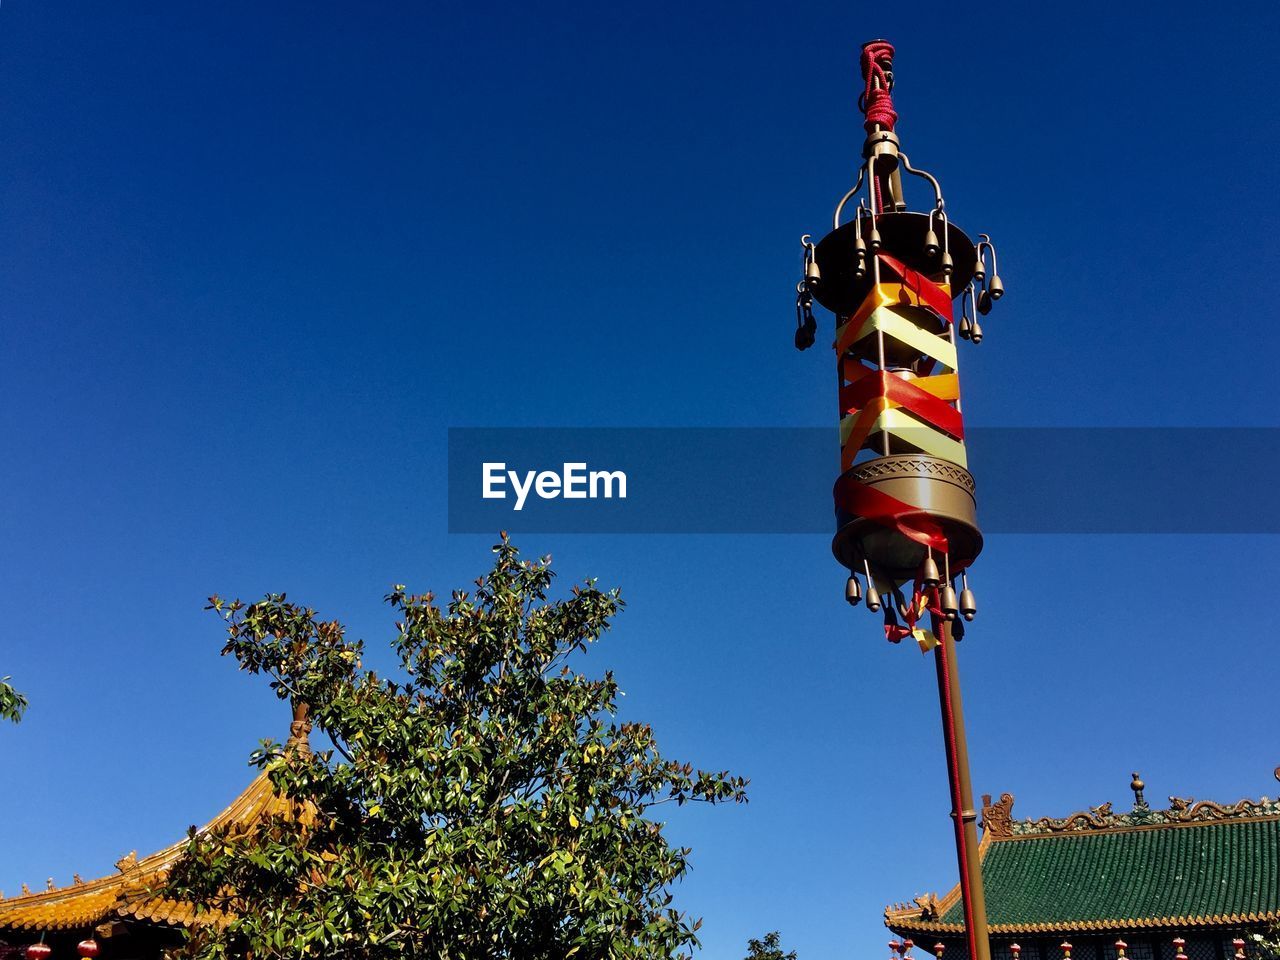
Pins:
x: 483, y: 804
x: 12, y: 703
x: 768, y: 948
x: 1265, y: 943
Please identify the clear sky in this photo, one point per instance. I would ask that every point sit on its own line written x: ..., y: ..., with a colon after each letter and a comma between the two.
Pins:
x: 255, y: 259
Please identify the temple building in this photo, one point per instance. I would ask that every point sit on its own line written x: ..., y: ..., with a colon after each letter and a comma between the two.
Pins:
x: 1195, y: 881
x: 121, y: 917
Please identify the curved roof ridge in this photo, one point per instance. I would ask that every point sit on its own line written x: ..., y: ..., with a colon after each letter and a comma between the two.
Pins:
x: 89, y: 902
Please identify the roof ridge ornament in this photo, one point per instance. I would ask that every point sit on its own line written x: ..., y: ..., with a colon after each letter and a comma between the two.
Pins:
x: 997, y: 818
x: 300, y: 730
x: 998, y: 822
x: 1137, y: 786
x: 128, y: 863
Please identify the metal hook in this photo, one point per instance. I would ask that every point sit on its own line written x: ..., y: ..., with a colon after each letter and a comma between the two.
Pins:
x: 924, y: 175
x: 835, y: 219
x: 941, y: 214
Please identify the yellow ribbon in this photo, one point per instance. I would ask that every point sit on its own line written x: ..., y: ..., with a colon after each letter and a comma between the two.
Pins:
x: 892, y: 322
x: 901, y: 424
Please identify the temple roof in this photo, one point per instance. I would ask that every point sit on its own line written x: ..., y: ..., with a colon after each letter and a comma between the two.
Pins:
x: 1192, y: 865
x: 130, y: 893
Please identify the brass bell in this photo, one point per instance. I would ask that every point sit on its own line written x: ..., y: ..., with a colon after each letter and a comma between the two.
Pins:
x: 811, y: 274
x: 975, y: 334
x: 980, y: 270
x: 947, y: 600
x: 995, y: 287
x: 873, y: 597
x: 852, y: 590
x: 946, y: 264
x: 968, y: 605
x: 929, y: 572
x: 873, y: 239
x: 859, y: 247
x: 966, y: 327
x: 931, y: 245
x: 984, y: 302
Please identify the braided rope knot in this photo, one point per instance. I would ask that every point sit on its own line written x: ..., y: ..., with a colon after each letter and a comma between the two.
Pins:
x: 877, y: 103
x: 878, y: 107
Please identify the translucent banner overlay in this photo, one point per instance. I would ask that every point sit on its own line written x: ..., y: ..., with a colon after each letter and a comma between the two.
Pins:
x: 779, y: 480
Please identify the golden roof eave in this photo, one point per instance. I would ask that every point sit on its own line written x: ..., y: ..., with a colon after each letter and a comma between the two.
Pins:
x: 130, y: 892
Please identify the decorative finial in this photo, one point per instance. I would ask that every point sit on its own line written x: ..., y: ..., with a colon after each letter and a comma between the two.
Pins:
x: 77, y: 880
x: 50, y: 885
x: 1137, y: 786
x: 26, y: 891
x: 300, y: 729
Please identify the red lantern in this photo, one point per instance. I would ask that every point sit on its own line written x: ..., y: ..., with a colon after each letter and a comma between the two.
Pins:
x: 39, y: 951
x: 87, y: 949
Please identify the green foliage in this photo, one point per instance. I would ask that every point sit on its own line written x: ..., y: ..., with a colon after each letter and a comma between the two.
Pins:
x: 768, y: 948
x: 483, y: 804
x: 1264, y: 943
x: 12, y: 704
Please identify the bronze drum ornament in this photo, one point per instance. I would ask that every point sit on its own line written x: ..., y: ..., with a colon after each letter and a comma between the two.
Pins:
x: 895, y: 278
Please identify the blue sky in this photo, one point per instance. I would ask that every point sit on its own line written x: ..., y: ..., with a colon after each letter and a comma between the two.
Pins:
x: 254, y: 261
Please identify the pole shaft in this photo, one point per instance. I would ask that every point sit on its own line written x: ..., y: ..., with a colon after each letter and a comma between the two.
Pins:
x: 963, y: 815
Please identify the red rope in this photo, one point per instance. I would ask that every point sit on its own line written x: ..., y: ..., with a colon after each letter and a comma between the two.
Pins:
x: 877, y: 104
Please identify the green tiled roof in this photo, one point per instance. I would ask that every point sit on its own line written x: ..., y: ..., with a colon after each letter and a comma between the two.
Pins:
x: 1207, y: 873
x: 1202, y: 870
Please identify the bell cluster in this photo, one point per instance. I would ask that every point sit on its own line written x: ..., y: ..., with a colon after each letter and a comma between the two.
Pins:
x: 977, y: 299
x: 981, y: 293
x: 954, y: 605
x: 806, y: 325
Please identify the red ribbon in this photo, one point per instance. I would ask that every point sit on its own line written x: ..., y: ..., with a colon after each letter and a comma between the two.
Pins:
x: 860, y: 500
x: 896, y: 633
x: 929, y: 293
x: 870, y: 384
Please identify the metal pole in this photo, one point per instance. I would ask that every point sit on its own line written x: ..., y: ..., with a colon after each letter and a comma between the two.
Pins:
x: 963, y: 816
